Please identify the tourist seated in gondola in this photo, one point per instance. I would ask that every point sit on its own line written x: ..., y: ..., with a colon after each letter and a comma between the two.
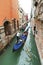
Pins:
x: 25, y: 33
x: 23, y: 37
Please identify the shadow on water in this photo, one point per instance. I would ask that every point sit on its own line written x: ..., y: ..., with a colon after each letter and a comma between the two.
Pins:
x: 8, y: 46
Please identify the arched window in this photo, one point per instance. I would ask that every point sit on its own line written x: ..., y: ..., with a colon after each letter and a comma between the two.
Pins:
x: 7, y: 28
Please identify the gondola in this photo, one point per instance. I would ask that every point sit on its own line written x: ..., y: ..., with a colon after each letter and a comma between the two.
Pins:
x: 22, y: 40
x: 20, y: 43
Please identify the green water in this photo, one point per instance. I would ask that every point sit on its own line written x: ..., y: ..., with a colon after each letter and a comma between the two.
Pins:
x: 26, y: 55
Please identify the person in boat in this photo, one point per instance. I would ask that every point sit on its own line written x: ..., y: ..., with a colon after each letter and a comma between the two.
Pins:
x: 25, y: 33
x: 18, y: 36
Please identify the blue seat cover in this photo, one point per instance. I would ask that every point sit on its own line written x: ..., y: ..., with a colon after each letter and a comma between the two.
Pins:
x: 18, y: 45
x: 23, y: 37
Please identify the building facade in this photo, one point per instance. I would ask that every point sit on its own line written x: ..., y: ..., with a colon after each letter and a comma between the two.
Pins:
x: 9, y: 21
x: 22, y: 17
x: 37, y: 19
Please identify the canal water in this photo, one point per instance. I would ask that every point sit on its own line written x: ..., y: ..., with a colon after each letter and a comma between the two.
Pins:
x: 26, y: 55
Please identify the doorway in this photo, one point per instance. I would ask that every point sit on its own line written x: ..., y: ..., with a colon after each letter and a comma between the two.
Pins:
x: 7, y: 28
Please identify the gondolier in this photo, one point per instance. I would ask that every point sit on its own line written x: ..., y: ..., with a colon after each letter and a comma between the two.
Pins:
x: 18, y: 36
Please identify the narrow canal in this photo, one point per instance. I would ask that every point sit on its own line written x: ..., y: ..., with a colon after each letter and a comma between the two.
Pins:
x: 26, y: 55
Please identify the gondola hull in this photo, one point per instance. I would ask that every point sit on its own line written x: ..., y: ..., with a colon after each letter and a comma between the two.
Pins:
x: 20, y: 43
